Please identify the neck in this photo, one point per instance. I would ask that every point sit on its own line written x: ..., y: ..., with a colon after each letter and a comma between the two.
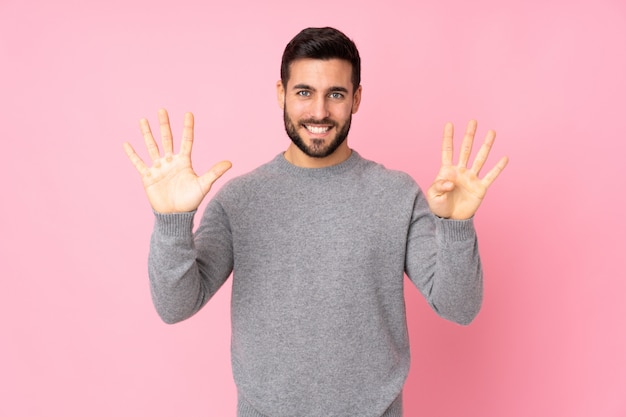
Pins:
x: 298, y: 158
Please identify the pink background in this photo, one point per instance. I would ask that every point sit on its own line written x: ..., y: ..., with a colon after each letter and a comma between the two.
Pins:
x: 80, y: 336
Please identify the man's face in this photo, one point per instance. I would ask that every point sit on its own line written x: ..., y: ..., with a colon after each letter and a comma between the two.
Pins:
x: 318, y: 102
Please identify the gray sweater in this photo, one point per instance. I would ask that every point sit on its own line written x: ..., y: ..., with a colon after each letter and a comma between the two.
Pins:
x: 318, y: 258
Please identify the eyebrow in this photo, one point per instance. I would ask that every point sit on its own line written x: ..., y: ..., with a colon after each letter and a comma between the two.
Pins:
x: 308, y: 87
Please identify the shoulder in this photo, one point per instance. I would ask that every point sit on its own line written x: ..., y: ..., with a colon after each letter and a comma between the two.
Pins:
x: 249, y: 183
x: 377, y: 173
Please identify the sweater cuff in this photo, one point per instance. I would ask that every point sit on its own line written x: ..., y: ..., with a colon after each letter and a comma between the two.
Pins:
x: 174, y: 224
x: 456, y: 230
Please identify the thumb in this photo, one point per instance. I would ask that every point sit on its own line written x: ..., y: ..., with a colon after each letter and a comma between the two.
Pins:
x: 440, y: 187
x: 216, y: 171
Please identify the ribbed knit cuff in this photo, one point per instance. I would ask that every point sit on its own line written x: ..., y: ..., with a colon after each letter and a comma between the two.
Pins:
x: 174, y: 224
x: 456, y: 230
x: 244, y: 409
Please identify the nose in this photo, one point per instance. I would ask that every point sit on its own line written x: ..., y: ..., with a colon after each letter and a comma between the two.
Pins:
x: 319, y: 108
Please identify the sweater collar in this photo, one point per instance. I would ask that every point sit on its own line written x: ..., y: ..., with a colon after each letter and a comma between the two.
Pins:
x: 285, y: 166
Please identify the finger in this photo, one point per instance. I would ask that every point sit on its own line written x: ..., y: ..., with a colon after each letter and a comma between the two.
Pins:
x: 216, y: 171
x: 135, y: 159
x: 447, y: 148
x: 187, y: 140
x: 166, y: 132
x: 441, y: 187
x: 495, y: 171
x: 468, y: 141
x: 151, y: 146
x: 483, y: 153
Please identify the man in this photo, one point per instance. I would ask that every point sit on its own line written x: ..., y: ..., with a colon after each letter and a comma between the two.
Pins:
x: 318, y: 241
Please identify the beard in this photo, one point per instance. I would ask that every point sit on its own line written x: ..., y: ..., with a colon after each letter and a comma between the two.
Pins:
x: 317, y: 148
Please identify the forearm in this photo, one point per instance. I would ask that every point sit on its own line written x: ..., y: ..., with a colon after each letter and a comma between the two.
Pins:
x: 175, y: 281
x: 182, y: 275
x: 457, y: 289
x: 444, y: 263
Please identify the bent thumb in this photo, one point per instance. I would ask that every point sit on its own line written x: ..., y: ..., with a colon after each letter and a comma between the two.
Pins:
x: 440, y: 187
x: 213, y: 174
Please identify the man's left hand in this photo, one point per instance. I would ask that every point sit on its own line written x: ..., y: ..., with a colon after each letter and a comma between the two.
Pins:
x: 457, y: 192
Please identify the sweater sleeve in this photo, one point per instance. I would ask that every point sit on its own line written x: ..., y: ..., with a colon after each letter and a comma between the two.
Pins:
x: 444, y: 263
x: 187, y: 269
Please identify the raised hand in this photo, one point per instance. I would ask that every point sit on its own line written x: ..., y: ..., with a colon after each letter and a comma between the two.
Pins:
x: 457, y: 191
x: 171, y: 184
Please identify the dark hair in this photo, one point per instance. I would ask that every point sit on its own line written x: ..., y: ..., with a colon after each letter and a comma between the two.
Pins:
x: 321, y: 43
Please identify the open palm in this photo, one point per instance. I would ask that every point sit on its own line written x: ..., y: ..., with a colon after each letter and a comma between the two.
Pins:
x: 457, y: 191
x: 170, y: 183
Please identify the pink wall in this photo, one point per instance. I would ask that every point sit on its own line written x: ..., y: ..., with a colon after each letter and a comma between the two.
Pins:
x: 80, y: 337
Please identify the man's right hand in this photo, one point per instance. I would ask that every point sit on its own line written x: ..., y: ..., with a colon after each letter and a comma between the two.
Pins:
x: 171, y: 184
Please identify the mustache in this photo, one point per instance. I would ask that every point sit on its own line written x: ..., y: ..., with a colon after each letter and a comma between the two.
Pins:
x: 318, y: 122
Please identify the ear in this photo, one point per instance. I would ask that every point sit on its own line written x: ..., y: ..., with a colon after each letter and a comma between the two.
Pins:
x: 280, y: 94
x: 356, y: 99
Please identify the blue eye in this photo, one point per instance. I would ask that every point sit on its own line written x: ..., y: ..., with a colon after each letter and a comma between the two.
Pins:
x: 304, y: 93
x: 336, y: 95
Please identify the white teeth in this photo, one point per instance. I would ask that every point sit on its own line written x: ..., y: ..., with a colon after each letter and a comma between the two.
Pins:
x: 317, y: 129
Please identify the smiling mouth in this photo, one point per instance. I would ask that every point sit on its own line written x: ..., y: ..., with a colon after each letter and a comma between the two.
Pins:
x: 317, y: 130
